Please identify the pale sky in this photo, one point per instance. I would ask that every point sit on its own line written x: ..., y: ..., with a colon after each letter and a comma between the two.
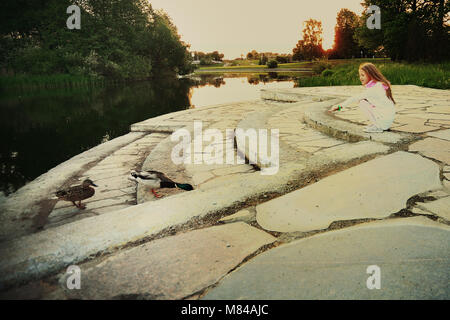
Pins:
x: 235, y: 27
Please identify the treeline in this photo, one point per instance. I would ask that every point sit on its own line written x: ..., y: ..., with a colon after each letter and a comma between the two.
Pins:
x: 118, y: 39
x: 264, y: 57
x: 207, y: 58
x: 411, y: 30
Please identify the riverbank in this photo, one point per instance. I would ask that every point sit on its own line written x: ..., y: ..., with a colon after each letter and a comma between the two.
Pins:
x: 425, y: 75
x: 344, y: 72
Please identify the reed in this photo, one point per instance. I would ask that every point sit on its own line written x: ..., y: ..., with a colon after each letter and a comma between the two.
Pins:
x: 32, y: 82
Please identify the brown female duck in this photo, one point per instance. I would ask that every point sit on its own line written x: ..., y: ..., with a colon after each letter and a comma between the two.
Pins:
x: 77, y: 193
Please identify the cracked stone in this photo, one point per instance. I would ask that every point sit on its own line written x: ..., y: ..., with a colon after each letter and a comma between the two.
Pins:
x: 412, y: 254
x: 173, y: 267
x: 354, y: 193
x: 434, y: 148
x: 441, y: 134
x: 440, y: 207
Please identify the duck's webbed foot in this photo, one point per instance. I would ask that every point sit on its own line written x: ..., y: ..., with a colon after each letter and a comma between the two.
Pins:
x: 155, y: 194
x: 81, y: 205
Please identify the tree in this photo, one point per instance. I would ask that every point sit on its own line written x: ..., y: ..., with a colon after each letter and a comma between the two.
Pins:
x: 345, y: 46
x: 216, y: 56
x: 311, y: 45
x: 411, y: 30
x: 253, y: 55
x: 263, y: 59
x: 122, y: 39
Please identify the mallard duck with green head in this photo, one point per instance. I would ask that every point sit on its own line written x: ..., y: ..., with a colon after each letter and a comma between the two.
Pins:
x: 157, y: 180
x: 77, y: 193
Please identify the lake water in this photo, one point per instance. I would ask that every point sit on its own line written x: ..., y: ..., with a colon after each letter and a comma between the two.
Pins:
x: 43, y: 128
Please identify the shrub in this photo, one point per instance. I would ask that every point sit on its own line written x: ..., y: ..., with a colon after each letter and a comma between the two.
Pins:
x: 327, y: 72
x: 272, y: 64
x: 281, y: 59
x: 206, y: 61
x: 321, y: 66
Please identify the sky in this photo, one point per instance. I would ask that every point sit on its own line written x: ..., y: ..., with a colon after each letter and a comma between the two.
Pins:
x: 235, y: 27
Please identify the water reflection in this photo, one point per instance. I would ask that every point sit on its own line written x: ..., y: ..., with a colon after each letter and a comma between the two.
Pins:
x: 208, y: 89
x: 42, y: 129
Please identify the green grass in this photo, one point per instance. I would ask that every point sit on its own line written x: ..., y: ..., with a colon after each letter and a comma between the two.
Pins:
x: 253, y: 64
x: 245, y: 62
x: 425, y: 75
x: 303, y: 64
x: 233, y: 67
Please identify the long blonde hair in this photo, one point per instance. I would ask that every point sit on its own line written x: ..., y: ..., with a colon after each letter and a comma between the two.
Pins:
x: 376, y: 75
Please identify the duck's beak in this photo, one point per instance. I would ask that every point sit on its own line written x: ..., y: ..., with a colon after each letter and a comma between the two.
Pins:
x: 93, y: 184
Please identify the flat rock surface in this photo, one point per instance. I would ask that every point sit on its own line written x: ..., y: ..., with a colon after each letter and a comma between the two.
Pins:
x: 374, y: 189
x: 173, y: 267
x: 433, y: 148
x: 440, y: 207
x: 412, y: 253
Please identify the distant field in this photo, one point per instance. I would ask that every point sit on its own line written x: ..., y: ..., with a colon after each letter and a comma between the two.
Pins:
x: 253, y: 64
x: 231, y: 67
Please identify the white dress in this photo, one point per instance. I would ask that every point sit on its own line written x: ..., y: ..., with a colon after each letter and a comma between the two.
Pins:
x: 379, y: 108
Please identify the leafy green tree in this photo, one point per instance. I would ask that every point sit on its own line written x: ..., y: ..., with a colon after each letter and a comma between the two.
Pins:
x: 118, y: 39
x: 410, y: 29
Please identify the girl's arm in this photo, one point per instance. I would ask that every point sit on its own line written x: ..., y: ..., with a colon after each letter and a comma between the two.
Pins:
x: 356, y: 98
x: 368, y: 94
x: 349, y: 101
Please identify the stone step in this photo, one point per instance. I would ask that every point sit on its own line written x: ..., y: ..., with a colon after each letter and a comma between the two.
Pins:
x: 319, y: 118
x: 410, y: 255
x: 26, y: 203
x: 41, y: 254
x: 171, y: 268
x: 375, y: 189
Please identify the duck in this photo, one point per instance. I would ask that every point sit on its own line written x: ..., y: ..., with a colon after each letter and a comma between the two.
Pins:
x: 157, y: 180
x: 77, y: 193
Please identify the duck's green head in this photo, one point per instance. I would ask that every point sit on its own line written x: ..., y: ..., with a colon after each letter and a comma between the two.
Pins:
x: 88, y: 182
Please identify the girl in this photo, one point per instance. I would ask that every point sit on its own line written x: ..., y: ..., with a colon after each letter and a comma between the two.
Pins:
x: 376, y: 101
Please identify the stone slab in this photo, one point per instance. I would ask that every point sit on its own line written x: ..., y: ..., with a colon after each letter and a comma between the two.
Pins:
x: 440, y: 207
x: 355, y: 193
x: 412, y: 253
x: 439, y: 109
x: 241, y: 215
x: 433, y: 148
x: 173, y: 267
x: 441, y: 134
